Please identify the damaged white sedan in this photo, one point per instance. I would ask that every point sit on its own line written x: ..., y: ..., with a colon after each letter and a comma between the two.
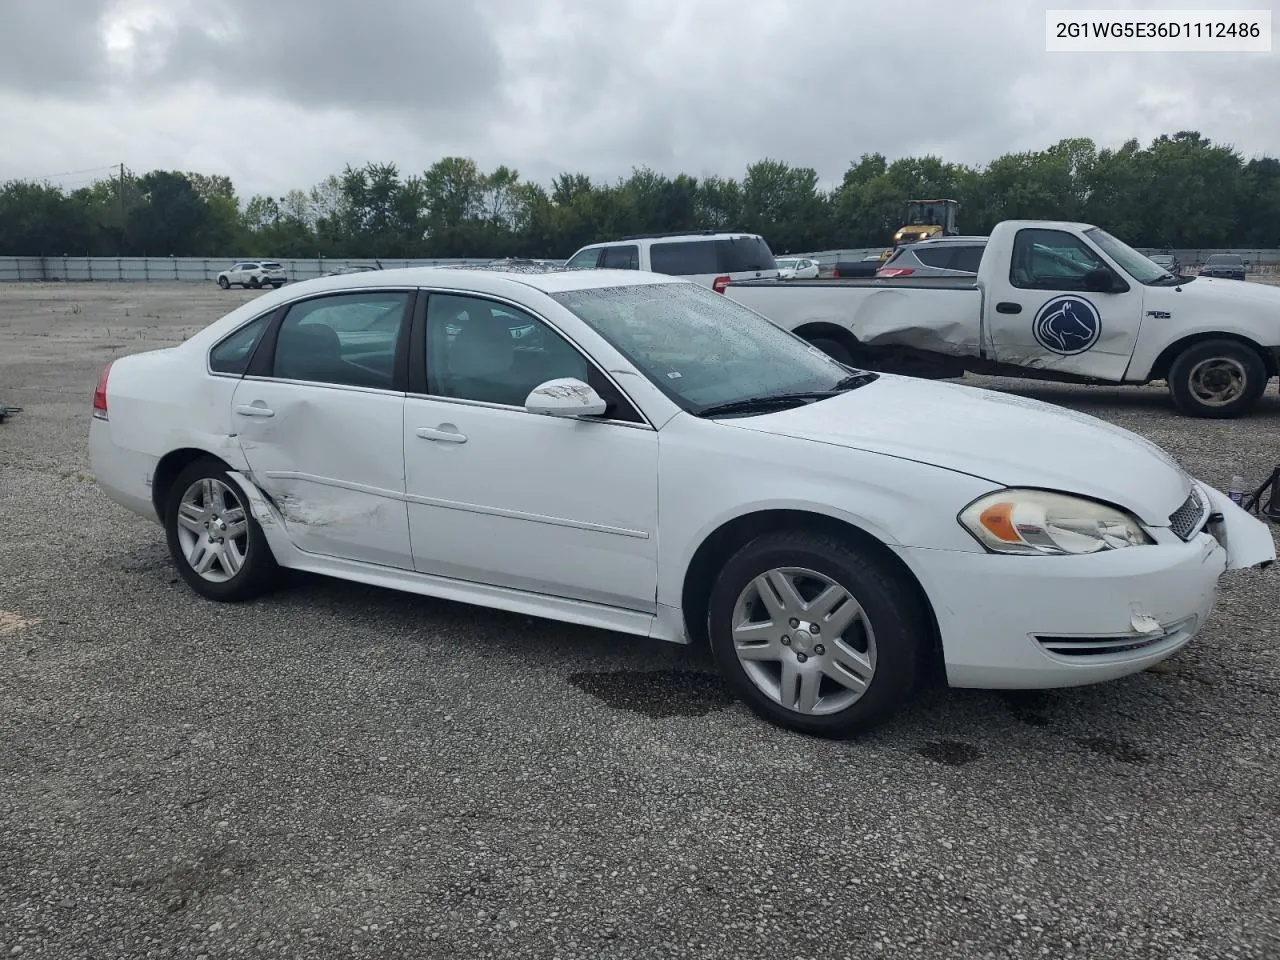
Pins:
x: 638, y: 453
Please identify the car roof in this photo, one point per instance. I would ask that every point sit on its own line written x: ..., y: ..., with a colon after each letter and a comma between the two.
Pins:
x: 673, y: 238
x: 485, y: 281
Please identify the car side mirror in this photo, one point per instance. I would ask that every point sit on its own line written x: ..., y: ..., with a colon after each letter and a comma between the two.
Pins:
x: 565, y: 397
x: 1099, y: 281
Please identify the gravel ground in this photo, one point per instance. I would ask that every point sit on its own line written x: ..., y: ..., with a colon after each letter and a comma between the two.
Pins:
x: 341, y: 771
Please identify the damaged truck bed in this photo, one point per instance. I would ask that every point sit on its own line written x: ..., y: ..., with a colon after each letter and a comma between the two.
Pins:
x: 1052, y: 300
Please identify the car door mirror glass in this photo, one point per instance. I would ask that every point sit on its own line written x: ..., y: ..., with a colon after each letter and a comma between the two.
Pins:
x: 1099, y: 281
x: 565, y: 397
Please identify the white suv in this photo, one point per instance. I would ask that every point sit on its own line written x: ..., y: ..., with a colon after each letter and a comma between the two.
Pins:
x: 709, y: 258
x: 253, y: 273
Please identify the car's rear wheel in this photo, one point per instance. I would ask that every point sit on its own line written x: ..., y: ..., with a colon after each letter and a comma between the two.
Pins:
x: 219, y: 548
x: 253, y: 282
x: 224, y: 283
x: 1217, y: 379
x: 815, y: 634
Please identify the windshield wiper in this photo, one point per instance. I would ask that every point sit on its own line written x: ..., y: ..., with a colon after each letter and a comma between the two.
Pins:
x: 766, y: 402
x: 770, y: 400
x: 859, y: 379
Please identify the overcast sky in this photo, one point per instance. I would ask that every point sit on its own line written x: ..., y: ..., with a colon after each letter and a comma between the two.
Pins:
x: 281, y: 93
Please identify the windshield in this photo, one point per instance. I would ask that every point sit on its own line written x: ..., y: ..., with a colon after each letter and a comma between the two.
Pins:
x: 1224, y: 260
x: 699, y: 347
x: 1140, y: 267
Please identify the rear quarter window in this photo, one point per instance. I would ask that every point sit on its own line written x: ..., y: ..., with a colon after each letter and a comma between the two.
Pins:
x: 234, y: 351
x: 745, y: 254
x: 684, y: 258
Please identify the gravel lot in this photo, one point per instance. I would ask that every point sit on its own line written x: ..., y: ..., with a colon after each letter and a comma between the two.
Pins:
x: 341, y: 771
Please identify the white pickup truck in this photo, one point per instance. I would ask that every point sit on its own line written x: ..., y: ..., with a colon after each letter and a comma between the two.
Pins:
x: 1053, y: 301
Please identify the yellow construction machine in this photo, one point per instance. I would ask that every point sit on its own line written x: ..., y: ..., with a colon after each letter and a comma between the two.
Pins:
x: 925, y: 219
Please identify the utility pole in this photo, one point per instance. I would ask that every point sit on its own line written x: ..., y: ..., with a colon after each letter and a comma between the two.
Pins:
x: 122, y: 209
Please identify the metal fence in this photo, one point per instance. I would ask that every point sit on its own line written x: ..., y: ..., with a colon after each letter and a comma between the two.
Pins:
x: 179, y: 269
x: 206, y: 269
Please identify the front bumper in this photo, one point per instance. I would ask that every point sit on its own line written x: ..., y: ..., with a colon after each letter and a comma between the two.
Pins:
x: 1042, y: 622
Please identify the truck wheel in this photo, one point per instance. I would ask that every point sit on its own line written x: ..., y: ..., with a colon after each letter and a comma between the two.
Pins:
x: 834, y: 349
x: 814, y: 634
x: 1217, y: 379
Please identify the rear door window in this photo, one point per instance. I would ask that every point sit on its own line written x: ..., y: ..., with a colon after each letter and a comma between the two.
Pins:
x: 935, y: 257
x: 620, y: 258
x: 966, y: 258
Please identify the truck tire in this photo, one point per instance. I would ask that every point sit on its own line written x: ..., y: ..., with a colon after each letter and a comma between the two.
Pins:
x: 1217, y: 379
x: 834, y: 349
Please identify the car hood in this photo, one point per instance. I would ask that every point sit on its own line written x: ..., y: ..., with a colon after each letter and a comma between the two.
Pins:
x: 1008, y: 440
x: 1206, y: 289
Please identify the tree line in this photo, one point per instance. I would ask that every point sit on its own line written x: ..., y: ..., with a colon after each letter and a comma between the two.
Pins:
x: 1180, y: 191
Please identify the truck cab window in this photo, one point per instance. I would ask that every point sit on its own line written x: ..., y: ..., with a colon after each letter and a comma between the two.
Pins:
x: 1051, y: 260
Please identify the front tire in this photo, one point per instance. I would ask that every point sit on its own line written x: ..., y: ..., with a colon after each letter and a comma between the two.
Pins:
x: 217, y: 545
x: 816, y: 635
x: 1217, y: 379
x: 224, y: 283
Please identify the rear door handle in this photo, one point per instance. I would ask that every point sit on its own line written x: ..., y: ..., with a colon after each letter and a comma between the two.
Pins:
x: 1006, y: 307
x: 445, y: 436
x: 254, y: 410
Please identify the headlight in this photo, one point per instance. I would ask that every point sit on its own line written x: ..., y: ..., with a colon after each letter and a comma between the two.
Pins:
x: 1042, y: 523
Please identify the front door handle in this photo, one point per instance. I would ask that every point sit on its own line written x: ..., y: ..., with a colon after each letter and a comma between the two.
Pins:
x: 255, y: 410
x: 446, y: 436
x: 1006, y: 307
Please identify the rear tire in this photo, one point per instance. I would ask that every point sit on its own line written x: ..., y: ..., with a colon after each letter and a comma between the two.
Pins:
x: 217, y: 545
x: 834, y: 655
x: 1217, y: 379
x: 255, y: 283
x: 834, y: 349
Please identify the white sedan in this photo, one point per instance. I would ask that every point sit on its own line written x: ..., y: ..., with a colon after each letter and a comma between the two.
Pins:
x: 637, y: 453
x: 797, y: 268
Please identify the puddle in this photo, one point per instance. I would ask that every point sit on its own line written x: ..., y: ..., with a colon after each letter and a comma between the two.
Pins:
x: 1120, y: 750
x: 953, y: 753
x: 656, y: 693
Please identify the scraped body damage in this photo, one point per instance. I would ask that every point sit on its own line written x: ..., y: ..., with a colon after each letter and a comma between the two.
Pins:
x: 331, y: 461
x: 942, y: 322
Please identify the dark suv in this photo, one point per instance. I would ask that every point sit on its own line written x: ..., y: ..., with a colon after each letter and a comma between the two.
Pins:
x: 1229, y: 266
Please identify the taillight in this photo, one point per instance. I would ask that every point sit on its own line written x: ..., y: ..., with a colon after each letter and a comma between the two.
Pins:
x: 835, y: 273
x: 894, y: 272
x: 719, y: 283
x: 100, y: 394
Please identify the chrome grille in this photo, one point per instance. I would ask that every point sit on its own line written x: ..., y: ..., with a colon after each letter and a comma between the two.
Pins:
x: 1189, y: 518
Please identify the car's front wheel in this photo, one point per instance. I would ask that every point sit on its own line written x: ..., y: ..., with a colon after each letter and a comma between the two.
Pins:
x: 219, y: 548
x: 815, y: 634
x: 224, y: 283
x: 1217, y: 379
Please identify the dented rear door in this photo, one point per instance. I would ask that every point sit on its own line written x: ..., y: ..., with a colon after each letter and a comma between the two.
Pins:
x: 322, y: 427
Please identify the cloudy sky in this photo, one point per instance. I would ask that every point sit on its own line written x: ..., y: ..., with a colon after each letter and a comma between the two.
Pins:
x: 280, y: 93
